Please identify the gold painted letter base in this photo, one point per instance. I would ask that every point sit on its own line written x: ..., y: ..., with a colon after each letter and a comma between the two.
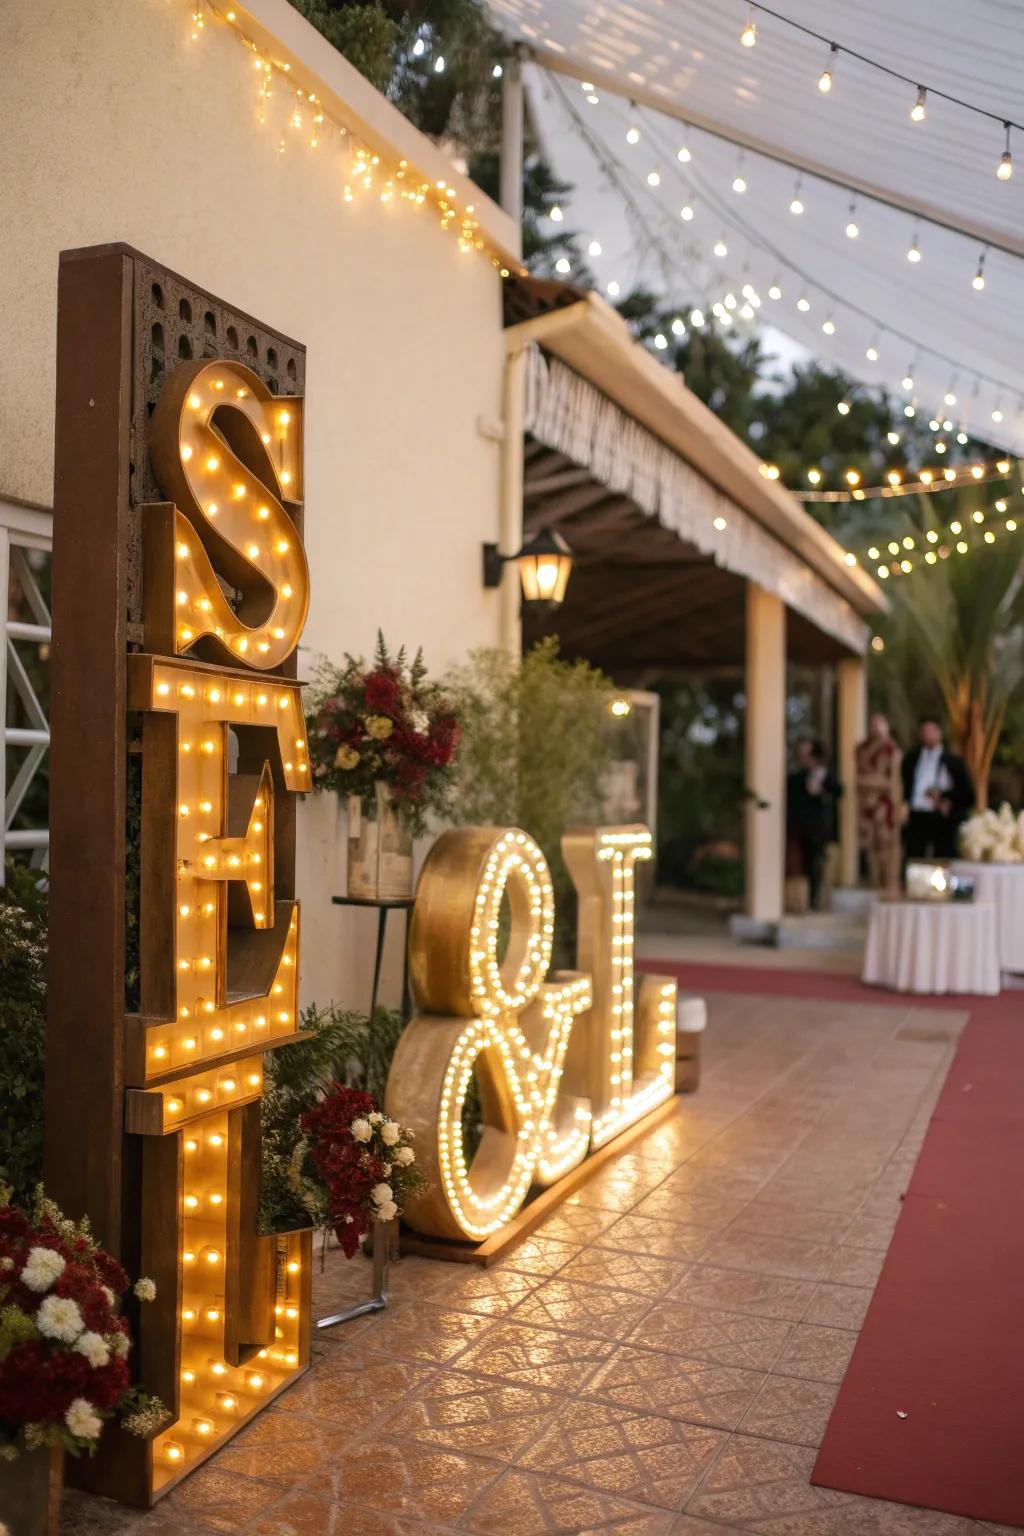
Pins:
x: 384, y: 1233
x: 529, y: 1218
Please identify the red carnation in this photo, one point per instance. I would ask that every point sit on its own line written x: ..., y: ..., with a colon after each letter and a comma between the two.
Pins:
x: 381, y: 692
x: 108, y: 1383
x: 37, y: 1384
x: 110, y: 1272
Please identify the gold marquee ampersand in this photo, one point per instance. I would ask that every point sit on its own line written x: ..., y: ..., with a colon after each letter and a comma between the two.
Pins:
x: 562, y: 1065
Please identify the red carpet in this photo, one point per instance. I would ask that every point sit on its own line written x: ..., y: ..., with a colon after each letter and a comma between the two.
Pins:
x: 932, y: 1408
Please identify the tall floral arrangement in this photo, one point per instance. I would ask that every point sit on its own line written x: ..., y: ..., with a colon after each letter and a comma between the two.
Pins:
x: 354, y: 1166
x: 64, y: 1342
x: 384, y: 724
x: 994, y: 837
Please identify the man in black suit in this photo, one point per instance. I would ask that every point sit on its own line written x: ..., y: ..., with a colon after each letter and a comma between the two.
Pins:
x: 938, y: 792
x: 812, y: 790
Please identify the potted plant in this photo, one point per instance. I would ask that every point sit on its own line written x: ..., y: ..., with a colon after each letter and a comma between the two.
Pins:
x: 384, y: 738
x: 64, y: 1346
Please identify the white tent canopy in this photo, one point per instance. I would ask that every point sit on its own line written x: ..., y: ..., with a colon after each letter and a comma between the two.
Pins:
x: 677, y: 75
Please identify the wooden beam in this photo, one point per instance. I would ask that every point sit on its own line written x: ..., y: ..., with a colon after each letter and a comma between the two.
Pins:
x: 88, y: 750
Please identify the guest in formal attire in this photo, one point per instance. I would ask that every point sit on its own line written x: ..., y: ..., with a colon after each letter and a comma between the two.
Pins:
x: 939, y: 793
x: 812, y: 790
x: 880, y: 803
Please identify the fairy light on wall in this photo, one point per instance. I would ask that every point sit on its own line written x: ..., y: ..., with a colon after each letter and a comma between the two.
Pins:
x: 366, y: 172
x: 562, y: 1065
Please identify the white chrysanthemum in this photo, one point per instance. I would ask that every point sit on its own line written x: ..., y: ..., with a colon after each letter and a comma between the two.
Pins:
x: 42, y: 1268
x: 83, y: 1420
x: 380, y: 1193
x: 6, y: 1265
x: 361, y: 1130
x: 94, y: 1347
x: 109, y: 1294
x: 120, y: 1344
x: 59, y: 1318
x: 390, y: 1133
x: 145, y: 1289
x: 404, y: 1156
x: 375, y: 1118
x: 386, y: 1211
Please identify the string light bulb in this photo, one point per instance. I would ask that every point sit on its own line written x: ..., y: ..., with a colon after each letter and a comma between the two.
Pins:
x: 683, y: 155
x: 825, y: 78
x: 748, y: 37
x: 919, y: 110
x: 775, y: 291
x: 1004, y: 170
x: 632, y: 134
x: 803, y: 304
x: 720, y: 247
x: 978, y: 280
x: 686, y: 212
x: 829, y: 326
x: 852, y: 227
x: 555, y: 214
x: 907, y: 380
x: 914, y: 253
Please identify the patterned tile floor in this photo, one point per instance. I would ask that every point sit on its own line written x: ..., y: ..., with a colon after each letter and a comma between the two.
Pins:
x: 660, y: 1359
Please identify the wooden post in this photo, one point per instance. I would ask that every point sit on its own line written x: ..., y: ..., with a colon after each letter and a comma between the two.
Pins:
x: 765, y: 751
x: 174, y: 936
x: 851, y: 679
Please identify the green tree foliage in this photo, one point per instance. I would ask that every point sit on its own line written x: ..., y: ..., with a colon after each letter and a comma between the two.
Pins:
x: 534, y: 753
x: 957, y: 632
x: 365, y: 34
x: 22, y: 1029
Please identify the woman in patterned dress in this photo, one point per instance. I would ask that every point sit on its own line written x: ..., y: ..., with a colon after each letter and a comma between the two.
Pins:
x: 880, y: 803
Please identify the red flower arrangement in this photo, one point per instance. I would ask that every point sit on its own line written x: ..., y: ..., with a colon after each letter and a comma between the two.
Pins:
x: 363, y: 1162
x: 64, y: 1343
x: 385, y: 724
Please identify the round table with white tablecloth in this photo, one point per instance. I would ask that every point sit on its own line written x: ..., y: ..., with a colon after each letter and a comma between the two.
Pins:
x: 933, y: 946
x: 1003, y: 886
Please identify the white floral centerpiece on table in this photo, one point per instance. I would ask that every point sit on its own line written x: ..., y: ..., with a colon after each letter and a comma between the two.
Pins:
x: 994, y: 837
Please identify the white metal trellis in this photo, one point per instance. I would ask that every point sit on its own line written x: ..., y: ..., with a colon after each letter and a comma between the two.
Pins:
x: 23, y: 529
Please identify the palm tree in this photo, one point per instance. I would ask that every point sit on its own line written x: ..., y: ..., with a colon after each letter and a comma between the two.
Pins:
x: 961, y: 624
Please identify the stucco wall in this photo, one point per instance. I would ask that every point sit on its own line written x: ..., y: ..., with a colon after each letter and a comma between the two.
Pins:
x: 116, y: 126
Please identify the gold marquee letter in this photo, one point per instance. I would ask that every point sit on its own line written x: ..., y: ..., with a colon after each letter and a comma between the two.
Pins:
x: 561, y: 1066
x: 179, y: 749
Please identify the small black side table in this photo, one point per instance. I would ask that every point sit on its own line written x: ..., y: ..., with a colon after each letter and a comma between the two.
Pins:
x: 383, y: 906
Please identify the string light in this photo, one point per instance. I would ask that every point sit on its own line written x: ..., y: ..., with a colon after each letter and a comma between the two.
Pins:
x: 872, y: 352
x: 721, y: 248
x: 852, y: 227
x: 978, y: 282
x: 906, y: 483
x: 919, y: 111
x: 366, y: 170
x: 748, y: 37
x: 825, y: 78
x: 739, y: 182
x: 1004, y: 170
x: 796, y: 203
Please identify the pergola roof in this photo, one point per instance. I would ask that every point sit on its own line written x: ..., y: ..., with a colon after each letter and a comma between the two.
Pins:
x: 666, y: 510
x: 933, y: 181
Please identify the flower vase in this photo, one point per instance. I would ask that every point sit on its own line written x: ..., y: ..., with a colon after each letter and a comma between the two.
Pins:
x: 30, y: 1488
x: 379, y: 850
